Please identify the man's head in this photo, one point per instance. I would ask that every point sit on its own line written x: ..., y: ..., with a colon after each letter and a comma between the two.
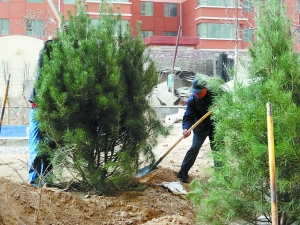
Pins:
x: 64, y: 27
x: 198, y: 88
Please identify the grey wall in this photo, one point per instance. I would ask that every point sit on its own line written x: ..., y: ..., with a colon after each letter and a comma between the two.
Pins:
x: 197, y: 61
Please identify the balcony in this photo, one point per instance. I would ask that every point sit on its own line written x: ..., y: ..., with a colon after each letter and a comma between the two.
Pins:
x: 171, y: 41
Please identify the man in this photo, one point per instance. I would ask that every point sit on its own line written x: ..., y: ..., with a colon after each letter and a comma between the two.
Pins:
x: 39, y: 165
x: 197, y: 106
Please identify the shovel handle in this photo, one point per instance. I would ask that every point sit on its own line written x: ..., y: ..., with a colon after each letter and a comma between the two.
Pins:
x: 4, y: 101
x: 182, y: 137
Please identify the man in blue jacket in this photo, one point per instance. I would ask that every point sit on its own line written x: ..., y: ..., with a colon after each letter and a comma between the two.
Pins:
x: 39, y: 164
x: 197, y: 106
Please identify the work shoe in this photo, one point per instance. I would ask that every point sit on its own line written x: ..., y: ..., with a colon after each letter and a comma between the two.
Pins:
x: 184, y: 179
x: 53, y: 185
x: 179, y: 175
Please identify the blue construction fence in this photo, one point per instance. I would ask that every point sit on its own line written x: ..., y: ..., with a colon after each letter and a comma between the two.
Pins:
x: 14, y: 132
x: 22, y: 131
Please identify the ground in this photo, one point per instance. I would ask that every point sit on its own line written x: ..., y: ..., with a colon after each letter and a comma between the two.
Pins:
x: 21, y: 203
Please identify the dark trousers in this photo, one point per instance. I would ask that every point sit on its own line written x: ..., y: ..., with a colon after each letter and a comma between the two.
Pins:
x: 192, y: 153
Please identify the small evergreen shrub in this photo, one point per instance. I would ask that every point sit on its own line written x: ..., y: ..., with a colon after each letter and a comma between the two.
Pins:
x: 93, y: 102
x: 240, y: 190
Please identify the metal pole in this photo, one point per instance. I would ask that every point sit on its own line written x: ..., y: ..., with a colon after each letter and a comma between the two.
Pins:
x: 272, y: 165
x: 236, y: 41
x: 177, y: 41
x: 173, y: 77
x: 180, y: 17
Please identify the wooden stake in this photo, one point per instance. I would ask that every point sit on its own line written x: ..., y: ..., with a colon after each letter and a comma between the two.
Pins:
x: 272, y: 164
x: 4, y: 101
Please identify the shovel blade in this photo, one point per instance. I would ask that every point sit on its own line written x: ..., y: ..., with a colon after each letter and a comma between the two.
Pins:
x: 144, y: 171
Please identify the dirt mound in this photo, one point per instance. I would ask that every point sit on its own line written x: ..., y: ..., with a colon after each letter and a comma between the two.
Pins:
x: 161, y: 175
x: 21, y: 203
x: 169, y: 220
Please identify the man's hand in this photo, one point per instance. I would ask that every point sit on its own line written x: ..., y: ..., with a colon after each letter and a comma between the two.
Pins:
x: 186, y: 133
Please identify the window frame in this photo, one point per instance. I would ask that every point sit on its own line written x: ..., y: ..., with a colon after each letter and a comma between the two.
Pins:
x: 247, y: 35
x: 151, y: 33
x: 206, y: 30
x: 124, y: 25
x: 168, y: 9
x: 4, y: 26
x: 70, y: 2
x: 209, y: 3
x: 169, y: 33
x: 248, y: 6
x: 116, y: 1
x: 33, y: 28
x: 147, y: 6
x: 36, y: 1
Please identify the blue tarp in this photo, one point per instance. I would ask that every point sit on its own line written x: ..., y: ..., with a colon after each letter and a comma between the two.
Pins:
x: 14, y: 132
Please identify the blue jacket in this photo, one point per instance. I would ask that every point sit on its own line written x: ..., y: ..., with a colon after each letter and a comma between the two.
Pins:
x: 195, y: 109
x: 47, y: 48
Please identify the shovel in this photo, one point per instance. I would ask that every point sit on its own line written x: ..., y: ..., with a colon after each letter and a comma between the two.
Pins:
x: 152, y: 168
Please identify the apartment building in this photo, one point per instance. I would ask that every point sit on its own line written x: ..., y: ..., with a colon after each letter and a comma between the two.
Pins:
x: 202, y: 24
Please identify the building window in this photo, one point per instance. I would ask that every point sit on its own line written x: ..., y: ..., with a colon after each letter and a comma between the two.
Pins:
x: 170, y: 33
x: 299, y: 6
x: 147, y: 9
x: 115, y: 1
x: 35, y: 28
x: 108, y: 1
x: 147, y: 33
x: 4, y: 26
x: 247, y: 6
x: 247, y: 35
x: 69, y: 1
x: 216, y: 31
x: 34, y: 0
x: 123, y: 27
x: 94, y: 22
x: 298, y: 34
x: 225, y: 3
x: 170, y: 10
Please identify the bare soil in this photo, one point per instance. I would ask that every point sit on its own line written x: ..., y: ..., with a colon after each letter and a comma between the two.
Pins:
x: 20, y: 203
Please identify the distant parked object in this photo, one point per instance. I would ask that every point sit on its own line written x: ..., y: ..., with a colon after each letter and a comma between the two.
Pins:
x: 171, y: 119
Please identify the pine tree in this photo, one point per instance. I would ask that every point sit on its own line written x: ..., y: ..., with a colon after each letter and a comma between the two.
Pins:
x: 240, y: 190
x: 93, y: 102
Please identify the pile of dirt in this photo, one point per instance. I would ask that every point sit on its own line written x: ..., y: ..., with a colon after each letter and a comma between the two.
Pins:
x: 20, y: 203
x: 148, y: 204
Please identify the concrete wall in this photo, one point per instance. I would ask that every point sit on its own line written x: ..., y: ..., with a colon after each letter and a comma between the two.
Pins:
x: 197, y: 61
x: 18, y: 57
